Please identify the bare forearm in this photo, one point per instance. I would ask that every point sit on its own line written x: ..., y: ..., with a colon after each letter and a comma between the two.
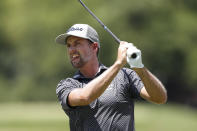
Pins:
x: 96, y: 87
x: 154, y: 90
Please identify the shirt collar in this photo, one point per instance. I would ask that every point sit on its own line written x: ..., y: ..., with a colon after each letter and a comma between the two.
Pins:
x: 101, y: 69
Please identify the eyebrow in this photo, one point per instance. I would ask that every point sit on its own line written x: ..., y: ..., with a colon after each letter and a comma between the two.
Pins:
x: 75, y: 41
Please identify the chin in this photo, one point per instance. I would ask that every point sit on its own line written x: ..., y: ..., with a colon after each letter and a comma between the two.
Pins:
x: 77, y: 65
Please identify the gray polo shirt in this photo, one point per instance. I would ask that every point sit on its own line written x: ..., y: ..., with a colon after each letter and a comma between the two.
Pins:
x: 112, y: 111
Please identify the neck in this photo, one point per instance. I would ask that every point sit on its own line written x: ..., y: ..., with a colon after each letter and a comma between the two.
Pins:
x: 90, y: 69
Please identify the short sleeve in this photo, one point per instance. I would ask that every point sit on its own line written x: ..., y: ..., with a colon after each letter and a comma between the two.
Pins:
x: 135, y: 83
x: 63, y: 89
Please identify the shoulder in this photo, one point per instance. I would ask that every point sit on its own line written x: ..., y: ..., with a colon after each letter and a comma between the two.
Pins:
x: 65, y: 81
x: 124, y: 75
x: 68, y: 83
x: 128, y: 71
x: 131, y: 74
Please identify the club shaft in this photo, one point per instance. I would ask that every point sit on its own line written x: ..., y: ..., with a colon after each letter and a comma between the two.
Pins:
x: 102, y: 24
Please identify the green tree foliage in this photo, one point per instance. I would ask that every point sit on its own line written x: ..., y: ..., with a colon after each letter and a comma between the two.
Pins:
x: 31, y: 64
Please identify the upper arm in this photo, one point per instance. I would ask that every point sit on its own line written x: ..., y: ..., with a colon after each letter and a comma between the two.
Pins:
x: 158, y: 100
x: 76, y: 98
x: 63, y: 90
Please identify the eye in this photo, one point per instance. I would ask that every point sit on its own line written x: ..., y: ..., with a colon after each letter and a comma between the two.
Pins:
x: 67, y: 45
x: 77, y: 43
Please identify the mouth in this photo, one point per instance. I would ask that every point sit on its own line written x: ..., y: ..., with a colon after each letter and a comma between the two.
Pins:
x: 74, y: 57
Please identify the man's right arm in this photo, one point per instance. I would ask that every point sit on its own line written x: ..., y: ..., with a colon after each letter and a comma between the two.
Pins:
x: 87, y: 94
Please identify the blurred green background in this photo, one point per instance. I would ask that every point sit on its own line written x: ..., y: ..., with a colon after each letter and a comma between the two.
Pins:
x: 31, y: 63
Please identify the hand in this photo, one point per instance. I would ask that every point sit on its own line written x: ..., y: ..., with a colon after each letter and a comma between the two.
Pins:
x: 122, y: 53
x: 134, y: 56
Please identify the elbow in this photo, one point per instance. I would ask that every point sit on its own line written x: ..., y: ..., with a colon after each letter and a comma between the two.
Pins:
x: 79, y: 98
x: 162, y: 99
x: 84, y: 100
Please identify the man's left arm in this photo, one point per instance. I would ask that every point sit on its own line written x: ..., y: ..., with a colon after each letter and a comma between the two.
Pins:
x: 153, y: 89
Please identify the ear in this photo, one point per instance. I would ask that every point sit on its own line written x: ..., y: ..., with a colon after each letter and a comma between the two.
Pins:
x: 95, y: 45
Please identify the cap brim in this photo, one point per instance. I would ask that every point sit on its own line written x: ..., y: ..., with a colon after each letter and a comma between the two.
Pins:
x: 61, y: 39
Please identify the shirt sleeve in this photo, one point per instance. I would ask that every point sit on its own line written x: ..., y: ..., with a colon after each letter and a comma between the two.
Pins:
x: 63, y: 89
x: 135, y: 83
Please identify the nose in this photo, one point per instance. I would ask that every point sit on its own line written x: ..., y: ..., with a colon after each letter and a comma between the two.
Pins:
x: 71, y: 48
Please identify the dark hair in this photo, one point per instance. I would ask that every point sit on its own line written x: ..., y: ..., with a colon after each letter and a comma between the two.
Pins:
x: 90, y: 42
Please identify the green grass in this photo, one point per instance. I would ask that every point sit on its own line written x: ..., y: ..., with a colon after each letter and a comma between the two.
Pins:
x: 32, y: 117
x: 150, y: 117
x: 50, y: 117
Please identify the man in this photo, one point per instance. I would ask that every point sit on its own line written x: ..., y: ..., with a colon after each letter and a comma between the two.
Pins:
x: 98, y: 98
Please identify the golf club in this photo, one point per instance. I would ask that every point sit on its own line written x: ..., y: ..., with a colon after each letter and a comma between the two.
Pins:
x: 134, y: 55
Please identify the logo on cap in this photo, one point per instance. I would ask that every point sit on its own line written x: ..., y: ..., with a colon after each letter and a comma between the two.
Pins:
x: 75, y: 29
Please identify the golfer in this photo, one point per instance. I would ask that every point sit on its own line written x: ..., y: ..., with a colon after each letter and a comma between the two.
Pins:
x: 100, y: 98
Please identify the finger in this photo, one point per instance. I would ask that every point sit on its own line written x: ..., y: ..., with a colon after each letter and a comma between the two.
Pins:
x: 123, y: 42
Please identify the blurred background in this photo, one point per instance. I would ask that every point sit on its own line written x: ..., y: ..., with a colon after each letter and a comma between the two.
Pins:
x: 31, y: 63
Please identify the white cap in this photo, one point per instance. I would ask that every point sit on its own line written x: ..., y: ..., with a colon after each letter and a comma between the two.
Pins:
x: 80, y: 30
